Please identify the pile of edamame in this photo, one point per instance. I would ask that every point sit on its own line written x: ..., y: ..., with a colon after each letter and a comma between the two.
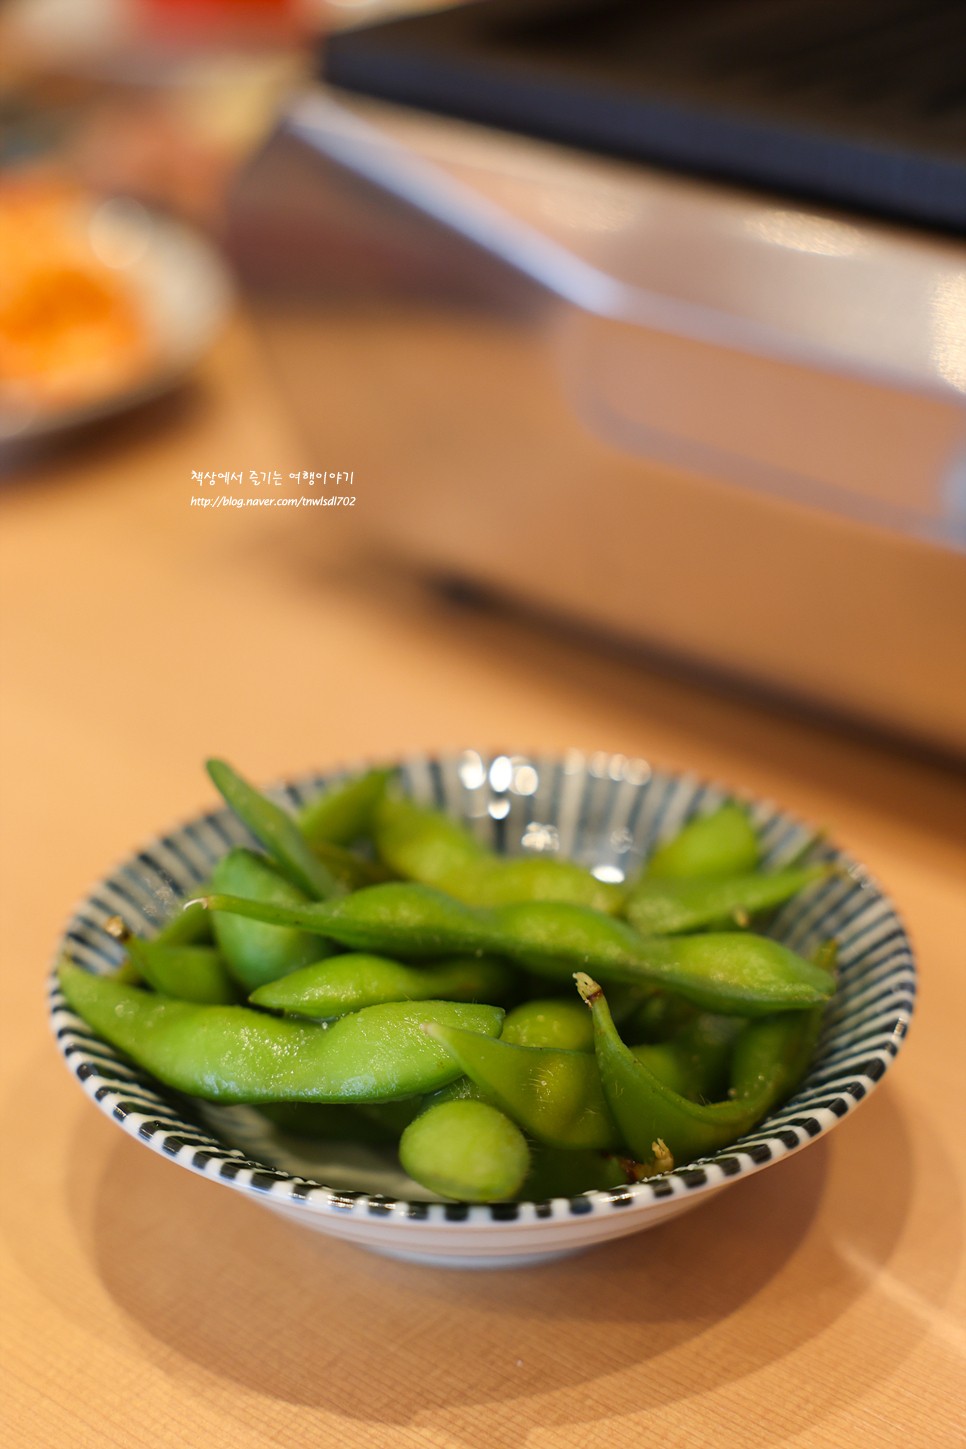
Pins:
x: 518, y: 1027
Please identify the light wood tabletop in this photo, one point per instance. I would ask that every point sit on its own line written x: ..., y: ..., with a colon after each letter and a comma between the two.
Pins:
x: 817, y: 1304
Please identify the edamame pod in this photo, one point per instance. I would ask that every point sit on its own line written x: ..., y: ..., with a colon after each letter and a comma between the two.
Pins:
x: 467, y: 1150
x: 400, y: 919
x: 549, y: 1022
x: 188, y: 973
x: 649, y: 1112
x: 696, y: 1062
x: 190, y: 927
x: 556, y: 1096
x: 665, y: 1062
x: 769, y: 1060
x: 732, y: 973
x: 426, y: 846
x: 255, y: 952
x: 348, y: 983
x: 705, y: 1048
x: 350, y: 870
x: 665, y: 907
x: 235, y: 1054
x: 345, y: 812
x: 657, y: 1019
x: 721, y: 843
x: 501, y: 881
x: 421, y: 844
x: 275, y: 829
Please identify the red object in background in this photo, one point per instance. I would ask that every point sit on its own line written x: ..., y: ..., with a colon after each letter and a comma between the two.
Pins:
x: 231, y: 20
x: 226, y: 8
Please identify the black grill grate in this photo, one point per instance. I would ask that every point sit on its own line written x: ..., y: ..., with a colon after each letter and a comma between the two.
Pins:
x: 861, y: 102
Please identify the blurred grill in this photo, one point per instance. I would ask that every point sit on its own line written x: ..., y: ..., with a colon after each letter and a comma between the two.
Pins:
x: 845, y: 100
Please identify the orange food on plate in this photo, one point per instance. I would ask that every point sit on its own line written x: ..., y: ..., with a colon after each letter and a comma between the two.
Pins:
x: 72, y: 330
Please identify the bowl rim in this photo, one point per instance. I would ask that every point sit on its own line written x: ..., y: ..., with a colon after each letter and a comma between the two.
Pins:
x: 162, y: 1119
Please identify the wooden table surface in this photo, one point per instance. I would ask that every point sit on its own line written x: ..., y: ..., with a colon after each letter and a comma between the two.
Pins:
x: 817, y: 1304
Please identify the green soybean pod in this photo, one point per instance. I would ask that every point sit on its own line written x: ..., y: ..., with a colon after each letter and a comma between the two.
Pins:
x: 399, y: 919
x: 659, y: 1018
x: 550, y: 1022
x: 666, y: 1063
x: 721, y: 843
x: 350, y: 870
x: 254, y: 952
x: 426, y: 846
x: 706, y: 1047
x: 190, y: 927
x: 235, y: 1054
x: 466, y: 1150
x: 189, y: 973
x: 696, y: 1063
x: 770, y: 1060
x: 348, y: 983
x: 555, y: 1096
x: 345, y: 812
x: 666, y: 907
x: 275, y: 829
x: 656, y: 1120
x: 505, y: 880
x: 736, y: 973
x: 422, y: 844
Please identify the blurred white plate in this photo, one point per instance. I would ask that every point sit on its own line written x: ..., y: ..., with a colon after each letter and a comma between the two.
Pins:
x: 184, y: 292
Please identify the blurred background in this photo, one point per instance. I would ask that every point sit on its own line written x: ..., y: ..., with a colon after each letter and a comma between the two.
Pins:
x: 562, y: 338
x: 531, y: 375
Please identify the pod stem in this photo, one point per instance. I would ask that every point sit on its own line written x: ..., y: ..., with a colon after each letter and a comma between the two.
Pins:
x: 587, y: 987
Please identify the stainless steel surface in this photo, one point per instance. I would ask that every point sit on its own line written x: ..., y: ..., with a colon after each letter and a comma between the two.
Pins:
x: 766, y: 478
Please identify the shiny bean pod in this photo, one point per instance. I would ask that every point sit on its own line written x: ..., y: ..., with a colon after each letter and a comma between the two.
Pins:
x: 346, y: 983
x: 274, y: 829
x: 555, y: 1096
x: 253, y: 951
x: 187, y: 973
x: 655, y: 1120
x: 235, y: 1054
x: 425, y: 846
x: 467, y: 1150
x: 733, y: 973
x: 666, y: 907
x: 722, y: 843
x: 344, y: 813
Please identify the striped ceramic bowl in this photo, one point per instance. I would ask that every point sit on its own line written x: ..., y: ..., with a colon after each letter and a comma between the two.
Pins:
x: 606, y: 811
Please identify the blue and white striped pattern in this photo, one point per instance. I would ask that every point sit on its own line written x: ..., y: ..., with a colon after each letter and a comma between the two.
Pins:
x: 604, y: 810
